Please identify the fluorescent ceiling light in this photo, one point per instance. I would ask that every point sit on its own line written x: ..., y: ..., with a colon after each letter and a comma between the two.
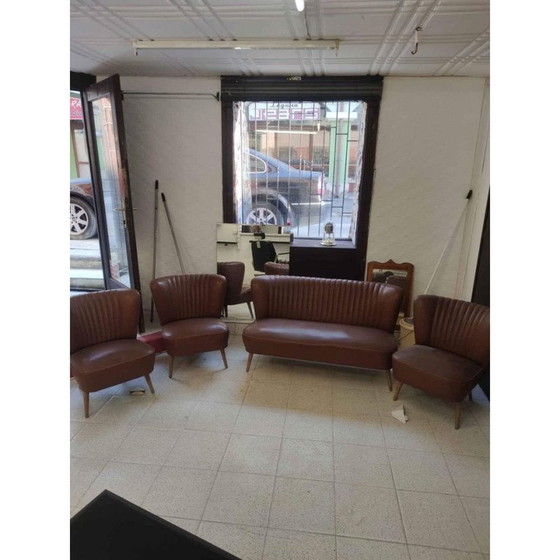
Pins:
x: 300, y: 5
x: 245, y: 44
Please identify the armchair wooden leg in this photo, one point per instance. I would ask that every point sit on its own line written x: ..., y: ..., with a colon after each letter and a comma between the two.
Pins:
x: 224, y: 357
x: 170, y: 366
x: 470, y: 396
x: 225, y: 311
x: 397, y: 390
x: 149, y: 382
x: 249, y: 360
x: 250, y: 309
x: 389, y: 381
x: 85, y: 397
x: 457, y: 415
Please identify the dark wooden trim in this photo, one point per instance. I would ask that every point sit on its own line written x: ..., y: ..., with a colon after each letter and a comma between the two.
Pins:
x: 229, y: 208
x: 80, y: 81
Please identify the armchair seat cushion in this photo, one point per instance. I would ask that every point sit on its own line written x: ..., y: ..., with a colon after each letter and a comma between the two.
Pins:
x: 321, y: 342
x: 110, y: 363
x: 193, y: 336
x: 438, y: 372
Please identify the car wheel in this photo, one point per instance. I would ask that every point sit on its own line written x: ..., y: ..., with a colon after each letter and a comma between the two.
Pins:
x: 265, y: 214
x: 83, y: 223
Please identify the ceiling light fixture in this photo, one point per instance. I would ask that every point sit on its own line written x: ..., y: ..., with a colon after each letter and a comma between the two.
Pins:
x: 300, y: 5
x: 244, y: 44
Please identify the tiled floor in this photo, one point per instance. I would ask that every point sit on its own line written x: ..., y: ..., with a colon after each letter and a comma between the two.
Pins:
x: 292, y: 460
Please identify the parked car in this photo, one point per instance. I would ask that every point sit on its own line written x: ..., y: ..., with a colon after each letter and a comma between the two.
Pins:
x: 83, y: 223
x: 280, y: 192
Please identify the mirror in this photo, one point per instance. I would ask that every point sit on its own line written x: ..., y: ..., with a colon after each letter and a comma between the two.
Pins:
x: 234, y: 245
x: 390, y: 272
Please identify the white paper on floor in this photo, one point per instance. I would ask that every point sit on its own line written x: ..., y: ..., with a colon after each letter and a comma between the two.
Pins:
x: 399, y: 414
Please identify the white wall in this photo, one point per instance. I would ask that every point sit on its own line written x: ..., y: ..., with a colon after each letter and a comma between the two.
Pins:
x: 428, y: 143
x: 176, y: 140
x: 430, y: 152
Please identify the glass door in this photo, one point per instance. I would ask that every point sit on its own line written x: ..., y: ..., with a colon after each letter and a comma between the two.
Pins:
x: 105, y: 128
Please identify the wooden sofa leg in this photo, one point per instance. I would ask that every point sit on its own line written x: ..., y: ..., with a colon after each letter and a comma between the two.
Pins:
x: 85, y: 397
x: 170, y: 366
x: 250, y: 309
x: 249, y: 360
x: 223, y: 352
x: 389, y: 381
x: 470, y: 396
x: 149, y: 382
x: 397, y: 390
x: 457, y: 415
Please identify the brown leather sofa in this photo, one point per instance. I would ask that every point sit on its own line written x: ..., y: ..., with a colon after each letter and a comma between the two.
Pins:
x: 103, y: 346
x: 344, y: 322
x: 452, y: 349
x: 189, y: 308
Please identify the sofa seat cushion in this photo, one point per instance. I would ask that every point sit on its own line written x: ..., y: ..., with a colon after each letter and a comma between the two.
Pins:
x: 192, y: 336
x: 321, y: 342
x: 110, y: 363
x: 438, y: 372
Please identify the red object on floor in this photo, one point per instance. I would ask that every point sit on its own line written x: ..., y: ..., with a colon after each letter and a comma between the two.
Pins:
x: 155, y: 340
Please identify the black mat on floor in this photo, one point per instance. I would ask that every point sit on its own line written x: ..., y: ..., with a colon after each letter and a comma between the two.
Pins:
x: 110, y: 527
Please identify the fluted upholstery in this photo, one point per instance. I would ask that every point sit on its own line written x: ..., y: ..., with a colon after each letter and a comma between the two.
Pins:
x: 277, y: 268
x: 345, y: 322
x: 189, y: 308
x: 236, y: 293
x: 452, y: 349
x: 103, y: 347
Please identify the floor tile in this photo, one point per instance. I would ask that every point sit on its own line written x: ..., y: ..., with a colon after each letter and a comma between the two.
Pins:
x: 260, y: 421
x: 360, y: 464
x: 295, y: 545
x: 214, y: 417
x: 272, y: 395
x: 128, y: 480
x: 362, y: 429
x: 97, y: 401
x: 127, y: 409
x: 425, y: 553
x: 478, y: 512
x: 421, y: 471
x: 348, y: 548
x: 82, y: 474
x: 98, y: 440
x: 242, y: 541
x: 149, y: 446
x: 269, y: 370
x: 467, y: 440
x: 316, y: 398
x: 354, y: 401
x: 471, y: 475
x: 225, y: 391
x: 305, y: 424
x: 168, y: 412
x: 198, y: 450
x: 308, y: 373
x: 355, y: 379
x: 416, y: 436
x: 306, y: 459
x: 251, y: 454
x: 178, y: 492
x: 480, y: 411
x: 436, y: 520
x: 240, y: 499
x: 368, y: 512
x: 75, y: 427
x: 303, y: 505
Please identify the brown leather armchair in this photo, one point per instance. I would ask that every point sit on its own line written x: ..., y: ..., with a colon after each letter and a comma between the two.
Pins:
x: 452, y: 349
x: 277, y: 268
x: 103, y: 346
x: 189, y: 309
x: 235, y: 292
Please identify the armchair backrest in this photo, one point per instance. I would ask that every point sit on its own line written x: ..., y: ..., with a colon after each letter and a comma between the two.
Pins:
x: 188, y: 296
x: 234, y: 273
x: 457, y: 326
x: 262, y: 252
x: 103, y: 316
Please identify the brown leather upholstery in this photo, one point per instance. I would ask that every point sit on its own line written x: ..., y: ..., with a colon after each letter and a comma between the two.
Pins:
x: 235, y: 291
x: 343, y: 322
x: 276, y: 268
x: 103, y: 346
x: 189, y: 308
x: 452, y: 348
